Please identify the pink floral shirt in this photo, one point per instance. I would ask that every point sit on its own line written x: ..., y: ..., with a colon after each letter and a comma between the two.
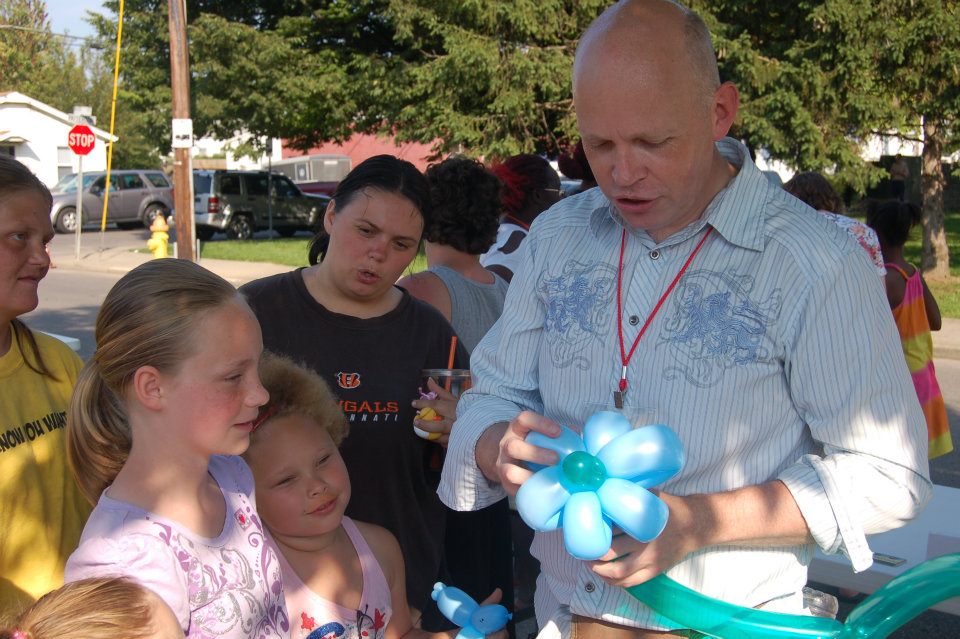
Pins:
x: 863, y: 234
x: 228, y: 587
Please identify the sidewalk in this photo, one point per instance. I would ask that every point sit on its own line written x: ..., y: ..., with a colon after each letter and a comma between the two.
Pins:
x: 121, y: 260
x: 946, y: 342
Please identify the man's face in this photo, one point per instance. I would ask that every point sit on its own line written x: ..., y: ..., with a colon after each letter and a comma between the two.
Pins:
x: 648, y: 131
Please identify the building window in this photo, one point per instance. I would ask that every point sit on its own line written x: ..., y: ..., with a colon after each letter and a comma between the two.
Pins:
x: 64, y: 161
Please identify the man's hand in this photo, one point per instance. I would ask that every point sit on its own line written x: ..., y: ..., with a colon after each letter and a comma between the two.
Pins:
x: 762, y: 515
x: 501, y: 450
x: 631, y: 562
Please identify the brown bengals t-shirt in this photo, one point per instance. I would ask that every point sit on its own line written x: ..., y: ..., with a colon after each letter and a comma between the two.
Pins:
x: 373, y: 366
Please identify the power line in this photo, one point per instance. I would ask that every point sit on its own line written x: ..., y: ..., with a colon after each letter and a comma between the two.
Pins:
x: 91, y: 41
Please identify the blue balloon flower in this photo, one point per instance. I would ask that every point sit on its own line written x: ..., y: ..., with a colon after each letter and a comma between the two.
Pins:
x: 601, y: 479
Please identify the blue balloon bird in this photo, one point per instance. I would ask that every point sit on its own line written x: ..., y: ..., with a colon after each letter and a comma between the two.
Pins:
x: 475, y: 621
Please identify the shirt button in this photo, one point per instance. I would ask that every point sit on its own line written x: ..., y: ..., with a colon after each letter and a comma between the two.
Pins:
x: 654, y: 254
x: 634, y: 320
x: 589, y: 587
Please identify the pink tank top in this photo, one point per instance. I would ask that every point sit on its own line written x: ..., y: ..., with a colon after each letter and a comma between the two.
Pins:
x: 313, y: 617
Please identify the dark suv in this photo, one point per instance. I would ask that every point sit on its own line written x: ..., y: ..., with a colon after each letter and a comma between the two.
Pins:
x: 136, y: 197
x: 241, y: 202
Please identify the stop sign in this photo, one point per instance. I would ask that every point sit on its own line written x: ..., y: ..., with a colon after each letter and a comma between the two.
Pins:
x: 81, y: 139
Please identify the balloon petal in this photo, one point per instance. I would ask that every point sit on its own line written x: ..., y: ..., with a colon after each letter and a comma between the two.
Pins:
x: 647, y: 456
x: 640, y: 513
x: 567, y: 442
x: 585, y: 532
x: 541, y: 498
x: 603, y: 427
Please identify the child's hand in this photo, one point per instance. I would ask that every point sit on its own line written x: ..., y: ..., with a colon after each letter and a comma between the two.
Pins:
x: 444, y: 407
x: 494, y: 598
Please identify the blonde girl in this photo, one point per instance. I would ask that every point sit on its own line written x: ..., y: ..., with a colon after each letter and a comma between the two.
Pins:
x: 342, y: 577
x: 109, y: 608
x: 159, y: 414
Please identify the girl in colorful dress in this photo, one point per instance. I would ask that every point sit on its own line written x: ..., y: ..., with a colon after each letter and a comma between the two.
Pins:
x: 915, y: 311
x: 159, y: 416
x: 342, y: 578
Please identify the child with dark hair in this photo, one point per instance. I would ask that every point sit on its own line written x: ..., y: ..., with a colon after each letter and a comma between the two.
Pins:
x: 915, y: 311
x: 530, y: 187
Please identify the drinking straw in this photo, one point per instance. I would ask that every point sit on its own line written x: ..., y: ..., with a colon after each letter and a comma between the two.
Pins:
x: 453, y: 351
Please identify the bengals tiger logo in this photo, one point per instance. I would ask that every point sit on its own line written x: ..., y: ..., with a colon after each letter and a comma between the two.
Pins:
x: 348, y: 380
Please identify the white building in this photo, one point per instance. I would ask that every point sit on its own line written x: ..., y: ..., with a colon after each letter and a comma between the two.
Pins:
x: 36, y: 134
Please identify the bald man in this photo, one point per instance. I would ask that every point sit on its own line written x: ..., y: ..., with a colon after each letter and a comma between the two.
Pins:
x: 688, y: 290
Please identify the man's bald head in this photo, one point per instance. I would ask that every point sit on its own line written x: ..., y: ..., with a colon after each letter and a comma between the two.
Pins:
x: 633, y: 28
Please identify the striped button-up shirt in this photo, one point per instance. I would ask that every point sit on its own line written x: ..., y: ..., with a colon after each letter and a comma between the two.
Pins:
x: 775, y: 357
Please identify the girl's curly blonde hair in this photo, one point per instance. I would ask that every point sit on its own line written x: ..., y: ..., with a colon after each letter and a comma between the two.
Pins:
x: 297, y: 390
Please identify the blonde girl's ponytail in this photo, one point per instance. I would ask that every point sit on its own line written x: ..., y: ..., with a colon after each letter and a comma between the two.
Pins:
x: 98, y: 436
x: 149, y: 318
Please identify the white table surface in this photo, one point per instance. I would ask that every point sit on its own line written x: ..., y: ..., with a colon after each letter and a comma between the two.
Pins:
x: 936, y: 532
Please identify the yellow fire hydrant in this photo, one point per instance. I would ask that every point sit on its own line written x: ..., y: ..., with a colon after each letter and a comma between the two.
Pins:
x: 159, y: 238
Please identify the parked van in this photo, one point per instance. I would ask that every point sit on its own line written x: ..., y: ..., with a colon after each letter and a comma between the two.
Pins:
x: 136, y: 197
x: 239, y: 203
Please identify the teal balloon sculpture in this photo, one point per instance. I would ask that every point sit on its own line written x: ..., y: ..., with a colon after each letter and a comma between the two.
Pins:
x: 883, y: 612
x: 601, y: 479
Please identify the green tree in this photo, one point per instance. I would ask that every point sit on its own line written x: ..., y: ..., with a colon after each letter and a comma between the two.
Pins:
x: 918, y: 56
x: 25, y: 41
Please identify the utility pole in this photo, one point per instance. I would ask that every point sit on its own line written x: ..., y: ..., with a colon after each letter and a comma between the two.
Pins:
x: 182, y: 128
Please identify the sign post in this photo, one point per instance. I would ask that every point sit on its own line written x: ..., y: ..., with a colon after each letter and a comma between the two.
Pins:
x: 81, y: 141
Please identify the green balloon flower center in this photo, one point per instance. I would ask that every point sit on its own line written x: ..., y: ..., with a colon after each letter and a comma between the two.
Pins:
x: 583, y: 472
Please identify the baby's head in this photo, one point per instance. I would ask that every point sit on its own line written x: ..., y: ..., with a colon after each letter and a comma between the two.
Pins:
x: 301, y: 481
x: 101, y: 608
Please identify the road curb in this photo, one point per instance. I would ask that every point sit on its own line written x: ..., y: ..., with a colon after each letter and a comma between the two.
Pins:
x: 946, y: 352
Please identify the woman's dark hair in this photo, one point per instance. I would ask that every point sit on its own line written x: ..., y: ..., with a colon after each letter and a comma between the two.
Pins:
x: 466, y: 205
x: 522, y: 177
x: 16, y: 178
x: 892, y: 220
x: 383, y: 173
x: 574, y: 164
x: 814, y: 189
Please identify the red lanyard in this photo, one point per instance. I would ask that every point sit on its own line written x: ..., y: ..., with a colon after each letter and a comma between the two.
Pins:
x: 624, y: 356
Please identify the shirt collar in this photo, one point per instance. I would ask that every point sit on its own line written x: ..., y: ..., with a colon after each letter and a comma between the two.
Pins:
x: 736, y: 212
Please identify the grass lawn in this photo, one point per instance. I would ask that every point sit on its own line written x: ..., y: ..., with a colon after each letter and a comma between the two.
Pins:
x: 293, y: 252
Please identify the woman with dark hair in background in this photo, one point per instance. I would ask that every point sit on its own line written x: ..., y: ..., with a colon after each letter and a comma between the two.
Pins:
x: 574, y: 165
x: 530, y: 187
x: 42, y: 511
x: 344, y: 317
x: 466, y: 210
x: 466, y: 213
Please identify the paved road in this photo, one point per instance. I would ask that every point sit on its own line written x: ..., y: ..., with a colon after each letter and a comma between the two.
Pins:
x: 69, y: 301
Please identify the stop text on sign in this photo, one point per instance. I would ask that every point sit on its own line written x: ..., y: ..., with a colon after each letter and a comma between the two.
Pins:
x: 81, y: 139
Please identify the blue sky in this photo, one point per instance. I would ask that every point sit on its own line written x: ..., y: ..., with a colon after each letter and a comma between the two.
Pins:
x: 68, y: 15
